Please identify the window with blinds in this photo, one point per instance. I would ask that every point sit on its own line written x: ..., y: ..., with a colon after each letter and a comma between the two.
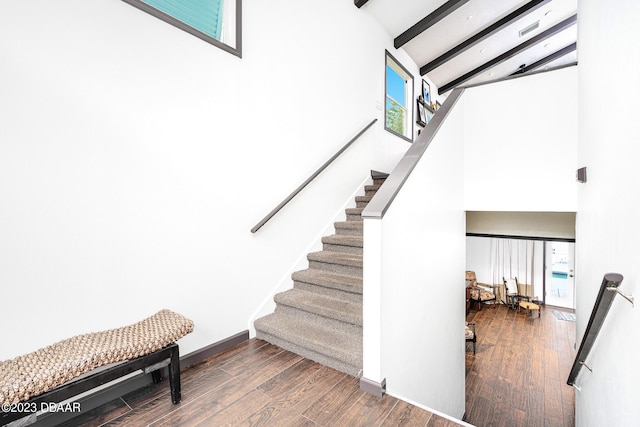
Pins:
x: 215, y: 21
x: 203, y: 15
x: 398, y: 95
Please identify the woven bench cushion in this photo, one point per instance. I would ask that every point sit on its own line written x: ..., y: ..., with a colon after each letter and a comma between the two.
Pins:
x: 45, y: 369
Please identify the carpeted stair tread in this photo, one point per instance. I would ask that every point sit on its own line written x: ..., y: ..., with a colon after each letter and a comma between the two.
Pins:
x: 346, y: 349
x: 328, y: 279
x: 338, y: 258
x: 354, y: 228
x: 344, y: 240
x: 370, y: 190
x: 365, y: 199
x: 354, y: 214
x: 322, y: 305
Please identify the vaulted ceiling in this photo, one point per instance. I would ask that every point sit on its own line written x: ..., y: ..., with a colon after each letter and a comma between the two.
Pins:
x: 466, y: 42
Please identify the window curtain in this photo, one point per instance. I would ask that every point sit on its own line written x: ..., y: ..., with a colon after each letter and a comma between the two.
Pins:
x: 203, y: 15
x: 511, y: 258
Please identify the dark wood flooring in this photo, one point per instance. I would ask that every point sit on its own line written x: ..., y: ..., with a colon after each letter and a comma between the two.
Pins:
x: 518, y: 376
x: 256, y: 383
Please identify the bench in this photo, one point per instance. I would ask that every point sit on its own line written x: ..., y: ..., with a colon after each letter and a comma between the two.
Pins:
x: 53, y: 374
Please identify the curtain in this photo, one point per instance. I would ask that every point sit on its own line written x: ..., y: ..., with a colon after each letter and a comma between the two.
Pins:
x: 511, y: 258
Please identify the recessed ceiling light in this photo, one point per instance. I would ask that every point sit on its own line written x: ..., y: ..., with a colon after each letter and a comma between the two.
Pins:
x: 548, y: 12
x: 547, y: 44
x: 483, y: 50
x: 469, y: 18
x: 491, y: 74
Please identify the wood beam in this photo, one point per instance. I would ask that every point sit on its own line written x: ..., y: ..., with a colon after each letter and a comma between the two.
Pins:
x: 478, y: 37
x: 510, y: 53
x: 359, y: 3
x: 431, y: 19
x: 547, y: 59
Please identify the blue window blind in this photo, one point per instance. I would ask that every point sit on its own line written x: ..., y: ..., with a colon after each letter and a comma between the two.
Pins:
x: 203, y: 15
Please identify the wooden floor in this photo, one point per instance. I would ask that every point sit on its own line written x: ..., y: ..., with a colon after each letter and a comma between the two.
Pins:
x: 256, y: 383
x: 518, y: 376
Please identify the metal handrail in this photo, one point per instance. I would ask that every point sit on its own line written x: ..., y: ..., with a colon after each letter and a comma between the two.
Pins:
x: 607, y: 293
x: 275, y: 210
x: 378, y: 206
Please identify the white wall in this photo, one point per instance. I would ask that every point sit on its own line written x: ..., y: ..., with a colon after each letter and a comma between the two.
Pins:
x: 422, y: 252
x: 607, y: 227
x: 135, y: 158
x: 520, y: 144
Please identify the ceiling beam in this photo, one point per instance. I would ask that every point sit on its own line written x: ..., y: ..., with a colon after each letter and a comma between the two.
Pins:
x: 547, y: 59
x: 431, y: 19
x: 359, y: 3
x: 510, y: 53
x: 478, y: 37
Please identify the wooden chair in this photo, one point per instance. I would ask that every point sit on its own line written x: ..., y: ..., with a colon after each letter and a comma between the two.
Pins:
x: 470, y: 334
x: 480, y: 292
x: 512, y: 293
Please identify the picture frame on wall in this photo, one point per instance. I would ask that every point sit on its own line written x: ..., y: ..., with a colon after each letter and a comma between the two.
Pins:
x: 422, y: 114
x: 426, y: 92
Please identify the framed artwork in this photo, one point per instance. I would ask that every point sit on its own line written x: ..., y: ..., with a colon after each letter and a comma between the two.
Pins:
x: 426, y: 92
x: 422, y: 114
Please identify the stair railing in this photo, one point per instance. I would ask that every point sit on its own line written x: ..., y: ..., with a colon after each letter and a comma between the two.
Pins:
x: 378, y: 206
x: 608, y: 291
x: 275, y: 210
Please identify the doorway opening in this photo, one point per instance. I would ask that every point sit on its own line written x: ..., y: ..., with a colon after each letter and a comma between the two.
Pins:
x: 559, y: 283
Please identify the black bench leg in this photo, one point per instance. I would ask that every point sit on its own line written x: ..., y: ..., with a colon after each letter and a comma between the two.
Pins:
x: 174, y: 376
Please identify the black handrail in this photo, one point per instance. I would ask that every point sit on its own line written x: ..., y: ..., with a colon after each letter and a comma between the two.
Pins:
x: 275, y: 210
x: 605, y: 297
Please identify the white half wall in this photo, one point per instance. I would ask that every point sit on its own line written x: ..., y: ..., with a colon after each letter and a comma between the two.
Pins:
x: 520, y: 150
x: 422, y: 285
x: 135, y: 158
x: 607, y: 226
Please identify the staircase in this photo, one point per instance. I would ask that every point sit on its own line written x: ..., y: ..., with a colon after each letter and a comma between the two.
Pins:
x: 321, y: 317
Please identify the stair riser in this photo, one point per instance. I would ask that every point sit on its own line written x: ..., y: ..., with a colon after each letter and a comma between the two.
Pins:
x: 339, y: 365
x: 378, y: 181
x: 355, y: 250
x: 357, y: 217
x: 348, y: 231
x: 362, y: 204
x: 336, y: 268
x: 336, y: 325
x: 330, y: 292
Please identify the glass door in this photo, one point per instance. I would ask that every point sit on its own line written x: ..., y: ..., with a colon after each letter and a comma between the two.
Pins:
x: 559, y: 274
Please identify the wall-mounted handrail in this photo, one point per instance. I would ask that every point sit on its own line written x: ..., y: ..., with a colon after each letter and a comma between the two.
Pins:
x: 275, y: 210
x: 607, y: 293
x: 385, y: 195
